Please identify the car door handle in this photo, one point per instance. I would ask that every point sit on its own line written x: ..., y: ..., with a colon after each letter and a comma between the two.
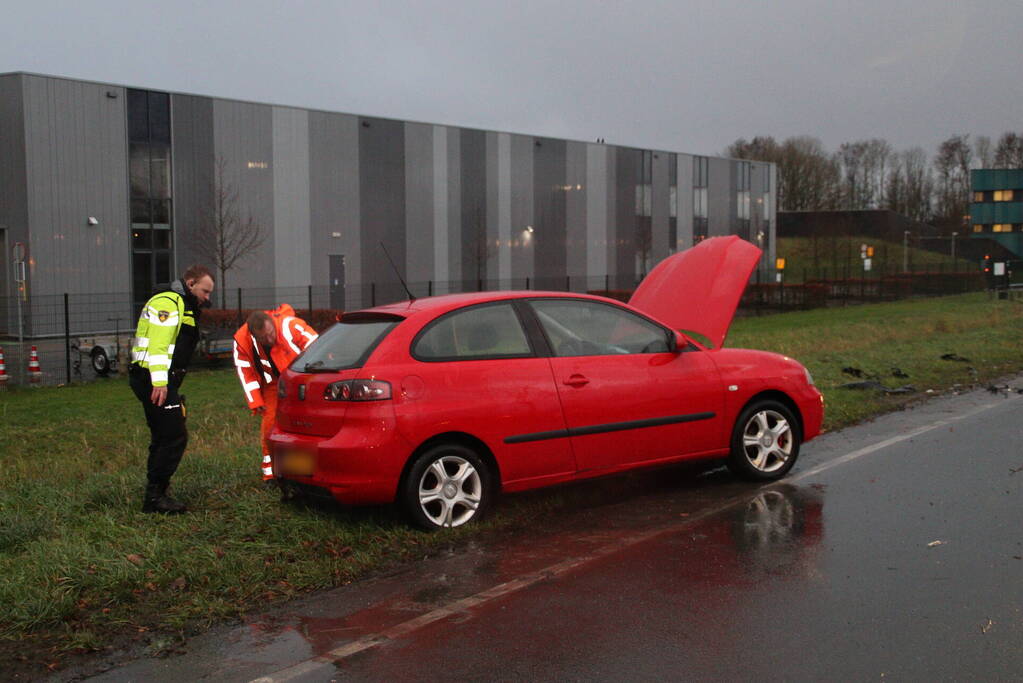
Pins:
x: 576, y: 381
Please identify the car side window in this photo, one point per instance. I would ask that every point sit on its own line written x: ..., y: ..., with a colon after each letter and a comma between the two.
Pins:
x: 589, y: 328
x: 487, y: 331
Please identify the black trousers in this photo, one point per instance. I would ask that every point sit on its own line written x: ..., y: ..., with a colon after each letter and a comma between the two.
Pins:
x: 168, y: 434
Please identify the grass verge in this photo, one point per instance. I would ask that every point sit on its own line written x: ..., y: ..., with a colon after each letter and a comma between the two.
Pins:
x: 83, y: 568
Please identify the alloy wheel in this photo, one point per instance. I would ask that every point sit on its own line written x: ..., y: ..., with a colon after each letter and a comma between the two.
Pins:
x: 450, y: 491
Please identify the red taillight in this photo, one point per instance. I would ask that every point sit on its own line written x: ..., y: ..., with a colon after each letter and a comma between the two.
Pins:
x: 358, y: 390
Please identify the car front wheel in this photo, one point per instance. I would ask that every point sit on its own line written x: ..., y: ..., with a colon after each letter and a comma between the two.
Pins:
x: 447, y: 486
x: 765, y: 441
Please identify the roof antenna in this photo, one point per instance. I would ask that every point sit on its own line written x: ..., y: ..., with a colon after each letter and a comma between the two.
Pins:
x: 411, y: 297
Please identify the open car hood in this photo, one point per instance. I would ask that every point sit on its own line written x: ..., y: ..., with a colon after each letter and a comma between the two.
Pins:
x: 699, y: 289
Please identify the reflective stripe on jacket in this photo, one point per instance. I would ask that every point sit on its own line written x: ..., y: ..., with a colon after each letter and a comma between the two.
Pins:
x: 158, y: 328
x: 255, y: 369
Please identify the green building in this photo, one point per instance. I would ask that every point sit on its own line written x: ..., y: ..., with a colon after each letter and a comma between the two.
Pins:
x: 996, y: 209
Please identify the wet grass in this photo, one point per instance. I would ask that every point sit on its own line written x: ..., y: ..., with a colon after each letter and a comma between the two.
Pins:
x: 880, y: 340
x: 83, y: 568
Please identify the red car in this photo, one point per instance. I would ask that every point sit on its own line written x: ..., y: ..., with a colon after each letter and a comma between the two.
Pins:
x: 440, y: 403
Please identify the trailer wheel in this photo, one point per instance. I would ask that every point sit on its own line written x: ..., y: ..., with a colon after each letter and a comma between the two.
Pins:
x: 100, y: 362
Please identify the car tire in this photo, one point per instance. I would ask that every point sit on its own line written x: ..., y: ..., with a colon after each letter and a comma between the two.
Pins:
x: 100, y: 362
x: 765, y: 441
x: 447, y: 486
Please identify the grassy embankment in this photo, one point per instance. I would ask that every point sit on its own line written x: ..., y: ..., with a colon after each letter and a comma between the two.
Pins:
x: 834, y: 256
x: 82, y: 566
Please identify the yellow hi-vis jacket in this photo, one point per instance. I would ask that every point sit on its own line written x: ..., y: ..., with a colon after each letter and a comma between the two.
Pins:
x: 159, y: 326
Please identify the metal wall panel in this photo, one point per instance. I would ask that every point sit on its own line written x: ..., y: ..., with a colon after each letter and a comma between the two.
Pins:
x: 522, y: 216
x: 575, y: 209
x: 243, y: 140
x: 419, y: 203
x: 76, y: 167
x: 493, y: 208
x: 720, y: 196
x: 192, y: 162
x: 293, y: 249
x: 759, y: 233
x: 13, y: 189
x: 504, y: 209
x: 549, y: 201
x: 773, y: 247
x: 440, y: 203
x: 626, y: 179
x: 473, y: 216
x: 659, y: 210
x: 453, y: 219
x: 611, y: 214
x: 596, y: 209
x: 685, y: 202
x: 382, y: 203
x: 334, y: 198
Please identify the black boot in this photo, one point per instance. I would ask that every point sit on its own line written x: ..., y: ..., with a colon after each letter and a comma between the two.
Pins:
x: 158, y: 501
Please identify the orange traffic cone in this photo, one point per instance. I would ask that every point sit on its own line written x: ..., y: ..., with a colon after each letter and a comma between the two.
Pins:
x: 3, y: 370
x: 35, y: 375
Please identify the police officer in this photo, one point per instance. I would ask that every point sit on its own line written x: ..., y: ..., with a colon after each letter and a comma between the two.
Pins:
x: 165, y: 340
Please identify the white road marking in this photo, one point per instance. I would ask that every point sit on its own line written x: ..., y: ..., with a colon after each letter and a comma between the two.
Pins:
x: 366, y: 642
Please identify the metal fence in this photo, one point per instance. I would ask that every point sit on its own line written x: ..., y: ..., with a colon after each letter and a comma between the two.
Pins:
x: 69, y: 331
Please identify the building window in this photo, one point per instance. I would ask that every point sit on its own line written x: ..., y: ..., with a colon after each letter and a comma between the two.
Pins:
x: 977, y: 227
x: 978, y: 197
x: 149, y: 171
x: 1003, y: 195
x: 1001, y: 227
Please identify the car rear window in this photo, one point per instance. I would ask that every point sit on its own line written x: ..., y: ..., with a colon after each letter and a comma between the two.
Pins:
x: 347, y: 344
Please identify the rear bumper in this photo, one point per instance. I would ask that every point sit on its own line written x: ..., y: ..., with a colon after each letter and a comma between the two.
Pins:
x: 357, y: 466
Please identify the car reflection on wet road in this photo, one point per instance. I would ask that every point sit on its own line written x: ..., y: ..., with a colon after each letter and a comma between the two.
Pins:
x: 893, y: 550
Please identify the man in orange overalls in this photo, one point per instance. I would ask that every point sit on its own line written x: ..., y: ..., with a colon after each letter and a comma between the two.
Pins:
x: 263, y: 347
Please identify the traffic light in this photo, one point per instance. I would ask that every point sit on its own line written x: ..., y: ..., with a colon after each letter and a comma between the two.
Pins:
x: 987, y: 263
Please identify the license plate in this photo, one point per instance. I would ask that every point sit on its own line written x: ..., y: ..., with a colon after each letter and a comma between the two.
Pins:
x: 299, y: 463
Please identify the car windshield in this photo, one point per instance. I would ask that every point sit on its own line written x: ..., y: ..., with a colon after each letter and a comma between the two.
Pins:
x: 347, y: 344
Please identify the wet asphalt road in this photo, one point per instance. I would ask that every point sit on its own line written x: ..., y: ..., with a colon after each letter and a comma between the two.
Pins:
x: 894, y: 550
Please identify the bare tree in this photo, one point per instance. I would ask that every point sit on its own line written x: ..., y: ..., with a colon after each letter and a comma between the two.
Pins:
x: 808, y: 176
x: 221, y: 236
x: 864, y: 166
x: 1009, y: 151
x: 984, y: 152
x: 952, y: 164
x: 919, y: 191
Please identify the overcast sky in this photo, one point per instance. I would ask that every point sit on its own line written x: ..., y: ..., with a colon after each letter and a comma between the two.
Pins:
x: 682, y: 75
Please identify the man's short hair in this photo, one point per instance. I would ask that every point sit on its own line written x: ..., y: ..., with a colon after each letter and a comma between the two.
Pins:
x: 257, y: 321
x: 197, y: 272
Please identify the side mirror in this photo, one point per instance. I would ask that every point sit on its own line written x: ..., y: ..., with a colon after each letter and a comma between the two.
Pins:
x: 678, y: 342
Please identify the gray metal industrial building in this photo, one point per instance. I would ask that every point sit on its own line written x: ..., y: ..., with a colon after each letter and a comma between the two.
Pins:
x: 102, y: 183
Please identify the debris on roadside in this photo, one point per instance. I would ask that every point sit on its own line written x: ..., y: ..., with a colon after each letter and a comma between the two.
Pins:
x: 853, y: 371
x: 933, y: 544
x: 898, y: 372
x: 955, y: 357
x: 987, y: 627
x: 875, y: 385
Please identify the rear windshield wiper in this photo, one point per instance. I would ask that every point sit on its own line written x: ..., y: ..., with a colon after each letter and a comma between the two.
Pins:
x: 317, y: 366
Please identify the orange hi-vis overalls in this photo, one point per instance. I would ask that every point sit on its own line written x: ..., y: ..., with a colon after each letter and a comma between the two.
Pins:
x: 258, y: 370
